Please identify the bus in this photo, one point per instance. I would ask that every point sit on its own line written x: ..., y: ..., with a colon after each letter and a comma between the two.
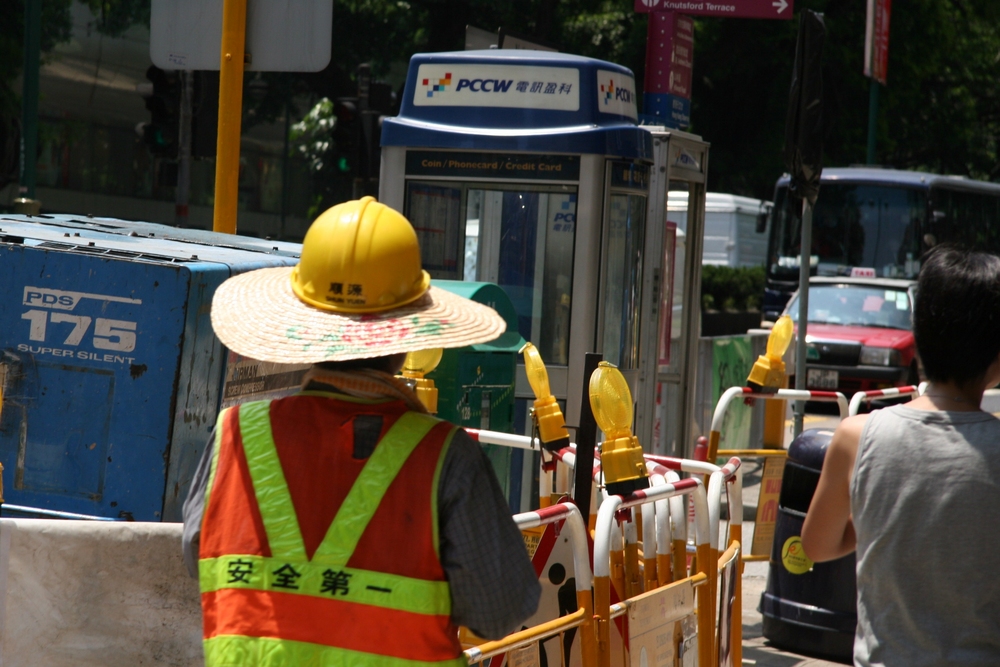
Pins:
x: 876, y: 222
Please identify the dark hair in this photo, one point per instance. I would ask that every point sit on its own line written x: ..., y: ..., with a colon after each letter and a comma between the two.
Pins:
x: 389, y: 364
x: 956, y: 317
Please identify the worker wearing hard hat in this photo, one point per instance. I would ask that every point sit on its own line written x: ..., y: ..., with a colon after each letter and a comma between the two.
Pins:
x: 343, y: 524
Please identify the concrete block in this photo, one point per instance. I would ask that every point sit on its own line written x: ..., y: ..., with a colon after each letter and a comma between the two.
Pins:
x: 101, y: 594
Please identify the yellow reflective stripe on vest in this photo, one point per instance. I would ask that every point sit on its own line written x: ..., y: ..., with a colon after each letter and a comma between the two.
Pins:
x: 269, y: 486
x: 369, y: 488
x: 389, y: 591
x: 238, y: 651
x: 275, y: 502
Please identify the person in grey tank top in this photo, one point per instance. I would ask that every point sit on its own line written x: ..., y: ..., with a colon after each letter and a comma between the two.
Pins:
x: 915, y: 489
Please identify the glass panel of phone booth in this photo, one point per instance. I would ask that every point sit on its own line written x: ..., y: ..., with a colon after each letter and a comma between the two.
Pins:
x: 624, y: 235
x: 434, y: 210
x: 670, y: 349
x: 668, y: 331
x: 520, y: 237
x: 672, y: 344
x: 623, y: 279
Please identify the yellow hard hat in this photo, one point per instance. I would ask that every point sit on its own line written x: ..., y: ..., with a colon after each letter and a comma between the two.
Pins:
x: 360, y: 257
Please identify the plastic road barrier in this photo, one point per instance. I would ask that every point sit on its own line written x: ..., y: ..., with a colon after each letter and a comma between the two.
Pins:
x: 763, y: 553
x: 664, y: 564
x: 779, y: 395
x: 707, y: 504
x: 862, y: 397
x: 582, y: 618
x: 606, y: 521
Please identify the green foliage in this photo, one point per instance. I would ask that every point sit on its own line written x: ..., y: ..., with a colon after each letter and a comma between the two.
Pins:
x: 940, y: 111
x: 311, y: 136
x: 56, y: 28
x: 116, y: 16
x: 729, y: 288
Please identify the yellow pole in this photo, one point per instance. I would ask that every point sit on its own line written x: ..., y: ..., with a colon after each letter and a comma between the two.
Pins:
x: 678, y: 552
x: 618, y: 573
x: 588, y: 635
x: 649, y: 572
x: 774, y: 420
x: 736, y: 629
x: 706, y: 606
x: 713, y: 446
x: 664, y: 574
x: 631, y: 577
x: 227, y: 160
x: 602, y: 614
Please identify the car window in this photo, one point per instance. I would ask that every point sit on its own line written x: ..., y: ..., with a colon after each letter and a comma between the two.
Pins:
x: 856, y: 305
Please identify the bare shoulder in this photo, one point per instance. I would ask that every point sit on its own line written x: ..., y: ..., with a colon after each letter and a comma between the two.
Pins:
x: 844, y: 444
x: 851, y: 427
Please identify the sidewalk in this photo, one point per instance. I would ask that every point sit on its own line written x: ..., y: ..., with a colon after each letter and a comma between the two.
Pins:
x: 756, y: 647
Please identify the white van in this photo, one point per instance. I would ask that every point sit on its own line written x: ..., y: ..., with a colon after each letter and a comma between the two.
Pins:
x: 735, y: 232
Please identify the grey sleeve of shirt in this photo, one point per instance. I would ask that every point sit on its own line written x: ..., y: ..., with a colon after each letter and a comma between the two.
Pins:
x: 194, y: 507
x: 493, y: 583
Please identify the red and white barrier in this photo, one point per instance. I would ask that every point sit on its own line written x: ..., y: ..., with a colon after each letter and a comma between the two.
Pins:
x: 864, y: 396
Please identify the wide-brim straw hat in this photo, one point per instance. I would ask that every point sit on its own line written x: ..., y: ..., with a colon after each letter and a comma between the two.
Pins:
x: 258, y: 315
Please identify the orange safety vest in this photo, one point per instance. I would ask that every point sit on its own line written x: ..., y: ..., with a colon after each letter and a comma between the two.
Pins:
x: 309, y: 556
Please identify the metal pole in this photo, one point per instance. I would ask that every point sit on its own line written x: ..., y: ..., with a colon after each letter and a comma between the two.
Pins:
x: 29, y: 103
x: 184, y: 150
x: 800, y: 341
x: 872, y: 118
x: 284, y: 168
x: 586, y: 440
x: 227, y: 161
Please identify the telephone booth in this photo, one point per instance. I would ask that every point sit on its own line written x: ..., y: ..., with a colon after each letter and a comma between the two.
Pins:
x: 528, y: 169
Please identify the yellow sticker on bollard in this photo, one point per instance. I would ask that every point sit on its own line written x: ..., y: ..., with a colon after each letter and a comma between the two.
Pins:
x: 793, y: 556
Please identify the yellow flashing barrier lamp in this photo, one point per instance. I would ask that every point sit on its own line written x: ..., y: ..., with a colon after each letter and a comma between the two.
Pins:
x: 768, y: 375
x: 621, y: 455
x: 548, y: 415
x: 417, y: 365
x: 768, y: 372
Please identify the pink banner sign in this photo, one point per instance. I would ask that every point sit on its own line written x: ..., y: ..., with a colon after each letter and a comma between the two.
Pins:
x: 745, y: 9
x: 877, y: 40
x: 669, y: 54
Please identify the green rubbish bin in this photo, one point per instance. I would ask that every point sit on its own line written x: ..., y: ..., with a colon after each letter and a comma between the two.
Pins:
x: 476, y: 383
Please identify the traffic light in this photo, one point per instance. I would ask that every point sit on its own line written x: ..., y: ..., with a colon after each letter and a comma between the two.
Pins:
x: 205, y: 115
x: 347, y: 133
x: 163, y: 100
x: 380, y: 105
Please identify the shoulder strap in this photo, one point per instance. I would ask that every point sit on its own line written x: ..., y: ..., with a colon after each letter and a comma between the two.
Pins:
x: 275, y: 502
x: 365, y: 496
x: 269, y: 486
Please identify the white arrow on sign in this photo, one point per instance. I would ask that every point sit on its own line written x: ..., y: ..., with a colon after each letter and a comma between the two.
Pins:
x: 650, y: 3
x: 781, y: 5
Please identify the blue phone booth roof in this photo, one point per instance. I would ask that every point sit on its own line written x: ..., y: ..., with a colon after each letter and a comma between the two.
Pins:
x: 518, y: 100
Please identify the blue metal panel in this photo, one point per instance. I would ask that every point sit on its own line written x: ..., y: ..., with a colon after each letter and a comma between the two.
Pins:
x: 583, y: 105
x: 110, y: 372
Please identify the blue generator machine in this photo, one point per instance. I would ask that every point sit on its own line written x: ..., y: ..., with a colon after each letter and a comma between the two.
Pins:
x: 112, y: 378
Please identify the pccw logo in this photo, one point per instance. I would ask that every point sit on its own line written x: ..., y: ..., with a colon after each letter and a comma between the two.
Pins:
x: 438, y: 85
x: 610, y: 92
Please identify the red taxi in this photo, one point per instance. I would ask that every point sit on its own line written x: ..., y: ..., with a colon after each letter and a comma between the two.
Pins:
x: 860, y: 334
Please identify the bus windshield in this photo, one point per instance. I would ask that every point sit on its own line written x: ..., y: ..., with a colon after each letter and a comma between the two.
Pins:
x: 873, y: 226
